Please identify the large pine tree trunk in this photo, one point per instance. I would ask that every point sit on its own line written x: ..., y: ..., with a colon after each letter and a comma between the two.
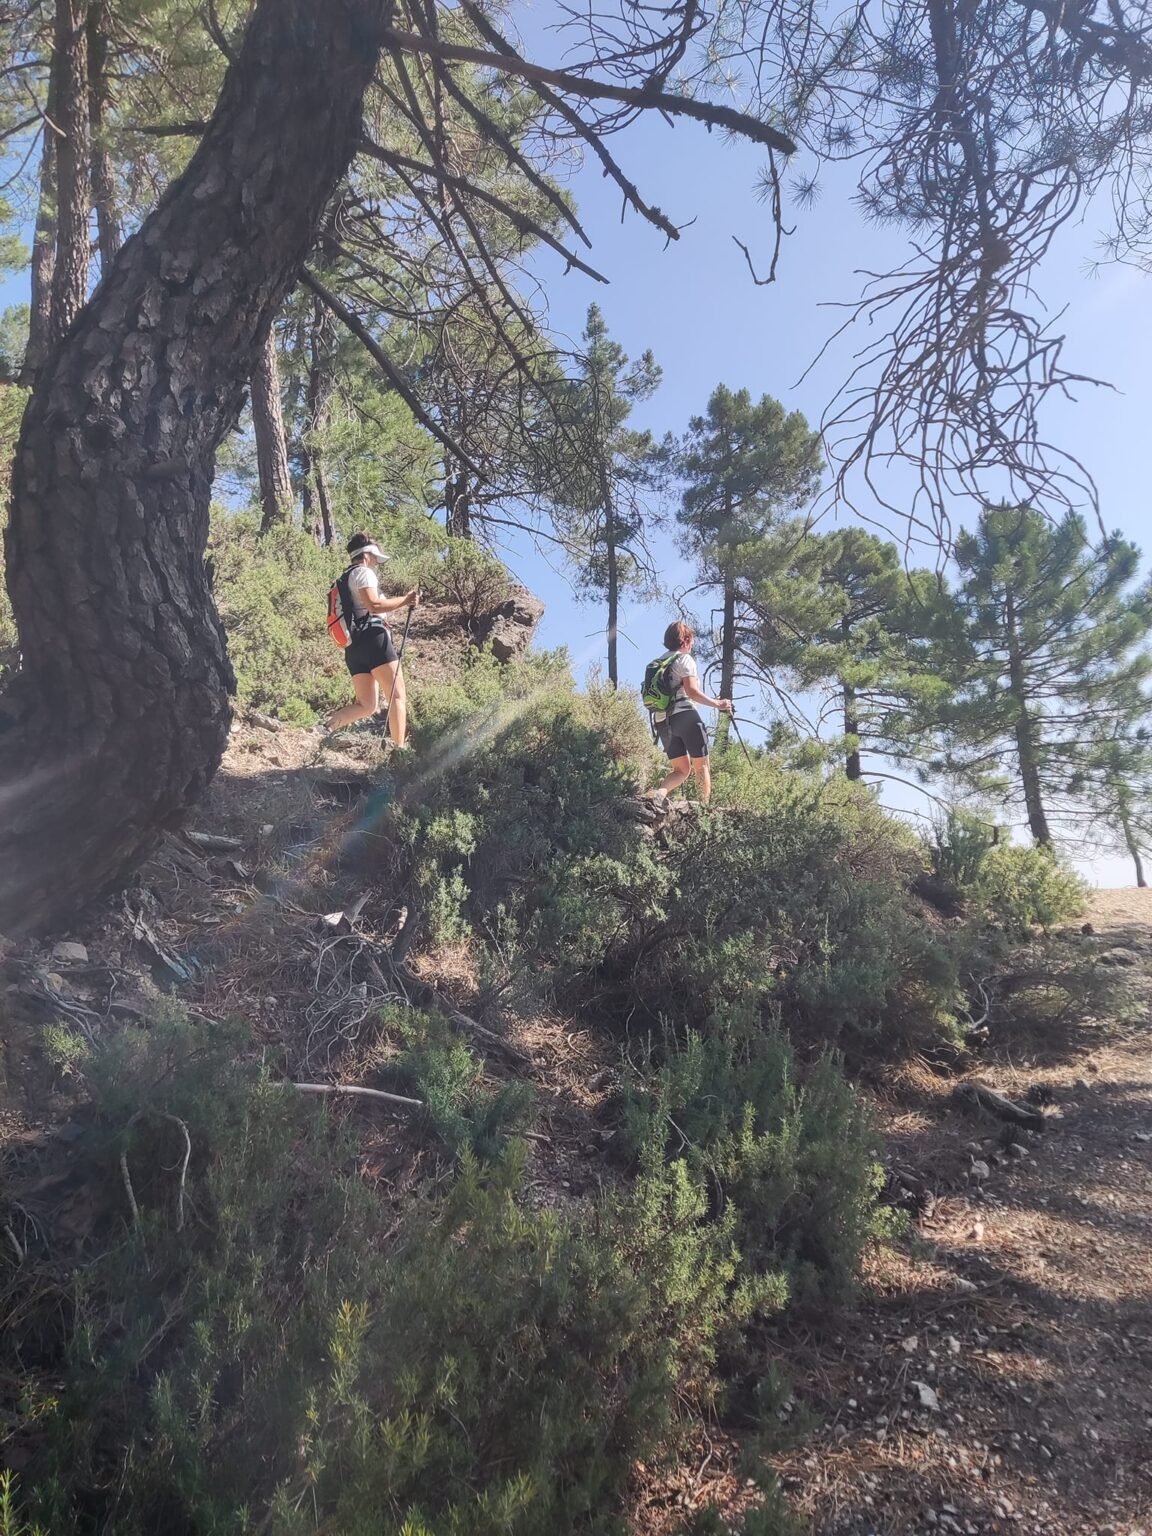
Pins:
x: 321, y: 383
x: 123, y: 709
x: 73, y: 167
x: 43, y: 243
x: 271, y: 443
x: 1027, y: 735
x: 108, y: 234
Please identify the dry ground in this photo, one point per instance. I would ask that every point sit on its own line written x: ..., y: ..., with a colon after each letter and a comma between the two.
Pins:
x: 996, y: 1374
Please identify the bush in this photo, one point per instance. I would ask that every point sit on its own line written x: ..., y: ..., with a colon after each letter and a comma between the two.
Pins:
x: 1018, y: 888
x: 517, y: 779
x: 470, y: 579
x: 795, y: 1160
x: 959, y: 844
x: 292, y: 1360
x: 441, y: 1070
x: 791, y: 898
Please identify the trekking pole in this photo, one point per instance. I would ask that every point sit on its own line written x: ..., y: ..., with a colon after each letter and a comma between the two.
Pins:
x: 396, y: 678
x: 740, y: 738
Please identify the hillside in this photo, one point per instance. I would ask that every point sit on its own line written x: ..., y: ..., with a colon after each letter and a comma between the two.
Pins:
x: 613, y: 1246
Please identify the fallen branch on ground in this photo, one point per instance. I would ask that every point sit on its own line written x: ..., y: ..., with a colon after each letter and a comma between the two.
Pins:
x: 350, y: 1090
x: 976, y: 1095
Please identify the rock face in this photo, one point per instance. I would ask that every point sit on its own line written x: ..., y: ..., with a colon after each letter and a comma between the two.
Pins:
x: 510, y: 627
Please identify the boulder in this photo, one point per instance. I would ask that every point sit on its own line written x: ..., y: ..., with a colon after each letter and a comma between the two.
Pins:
x: 510, y: 627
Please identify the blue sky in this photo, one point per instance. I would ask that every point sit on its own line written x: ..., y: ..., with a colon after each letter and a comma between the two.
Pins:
x: 695, y: 305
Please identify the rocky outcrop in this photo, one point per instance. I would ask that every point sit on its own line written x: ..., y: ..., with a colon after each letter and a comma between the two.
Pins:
x: 510, y: 627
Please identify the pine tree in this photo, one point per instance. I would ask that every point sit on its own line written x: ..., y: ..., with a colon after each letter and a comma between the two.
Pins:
x: 744, y: 465
x: 1049, y: 657
x: 840, y: 616
x: 604, y: 469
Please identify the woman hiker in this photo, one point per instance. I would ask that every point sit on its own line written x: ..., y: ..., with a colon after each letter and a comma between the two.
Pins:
x: 680, y: 729
x: 371, y: 657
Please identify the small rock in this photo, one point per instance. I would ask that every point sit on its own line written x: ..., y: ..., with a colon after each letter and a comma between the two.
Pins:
x: 1088, y: 929
x: 977, y: 1232
x: 70, y: 951
x: 1142, y: 1135
x: 953, y: 1345
x: 979, y: 1170
x: 964, y: 1285
x: 910, y: 1345
x: 1016, y: 1150
x: 926, y: 1396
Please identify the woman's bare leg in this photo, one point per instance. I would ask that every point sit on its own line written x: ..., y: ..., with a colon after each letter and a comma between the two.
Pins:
x: 393, y: 693
x: 367, y: 702
x: 702, y: 773
x: 680, y: 769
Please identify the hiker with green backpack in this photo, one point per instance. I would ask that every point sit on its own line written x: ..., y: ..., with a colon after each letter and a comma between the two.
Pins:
x: 357, y: 624
x: 671, y: 692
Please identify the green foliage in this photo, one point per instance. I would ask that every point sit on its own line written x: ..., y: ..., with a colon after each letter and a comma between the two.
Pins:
x: 11, y: 1523
x: 271, y: 591
x: 1018, y: 888
x: 959, y: 844
x: 1050, y: 644
x: 518, y: 779
x: 468, y: 578
x: 791, y: 898
x: 290, y: 1360
x: 465, y: 1113
x: 795, y: 1159
x: 838, y: 614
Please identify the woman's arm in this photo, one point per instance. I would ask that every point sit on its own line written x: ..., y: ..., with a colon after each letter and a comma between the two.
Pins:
x: 374, y: 603
x: 691, y: 690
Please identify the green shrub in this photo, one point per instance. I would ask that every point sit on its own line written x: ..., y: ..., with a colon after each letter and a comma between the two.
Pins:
x: 792, y: 897
x: 958, y: 846
x: 440, y: 1069
x: 1018, y: 888
x: 795, y: 1160
x: 469, y: 579
x: 292, y: 1360
x: 515, y: 780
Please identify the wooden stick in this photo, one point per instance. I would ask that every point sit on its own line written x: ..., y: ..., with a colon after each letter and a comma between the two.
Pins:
x: 351, y: 1091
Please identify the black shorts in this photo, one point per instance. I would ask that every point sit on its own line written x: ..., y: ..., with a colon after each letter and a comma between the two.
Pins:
x: 683, y: 735
x: 370, y: 648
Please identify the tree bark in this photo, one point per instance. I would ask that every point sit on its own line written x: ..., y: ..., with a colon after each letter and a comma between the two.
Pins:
x: 457, y: 502
x: 271, y: 445
x: 613, y: 592
x: 851, y: 717
x: 73, y: 167
x: 43, y: 241
x: 122, y: 711
x: 108, y: 233
x: 1133, y: 848
x: 1027, y: 743
x: 320, y: 386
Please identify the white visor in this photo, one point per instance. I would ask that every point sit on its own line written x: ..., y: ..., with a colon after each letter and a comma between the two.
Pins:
x: 370, y: 549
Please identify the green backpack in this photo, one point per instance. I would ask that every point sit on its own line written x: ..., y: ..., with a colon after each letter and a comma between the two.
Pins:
x: 657, y: 693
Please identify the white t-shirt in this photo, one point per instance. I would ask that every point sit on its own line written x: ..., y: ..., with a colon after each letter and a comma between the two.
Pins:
x: 362, y: 578
x: 683, y: 667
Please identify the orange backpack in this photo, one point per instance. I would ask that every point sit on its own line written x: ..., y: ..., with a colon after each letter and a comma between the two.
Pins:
x: 342, y: 616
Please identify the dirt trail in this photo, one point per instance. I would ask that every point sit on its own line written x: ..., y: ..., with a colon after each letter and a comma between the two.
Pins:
x: 998, y: 1378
